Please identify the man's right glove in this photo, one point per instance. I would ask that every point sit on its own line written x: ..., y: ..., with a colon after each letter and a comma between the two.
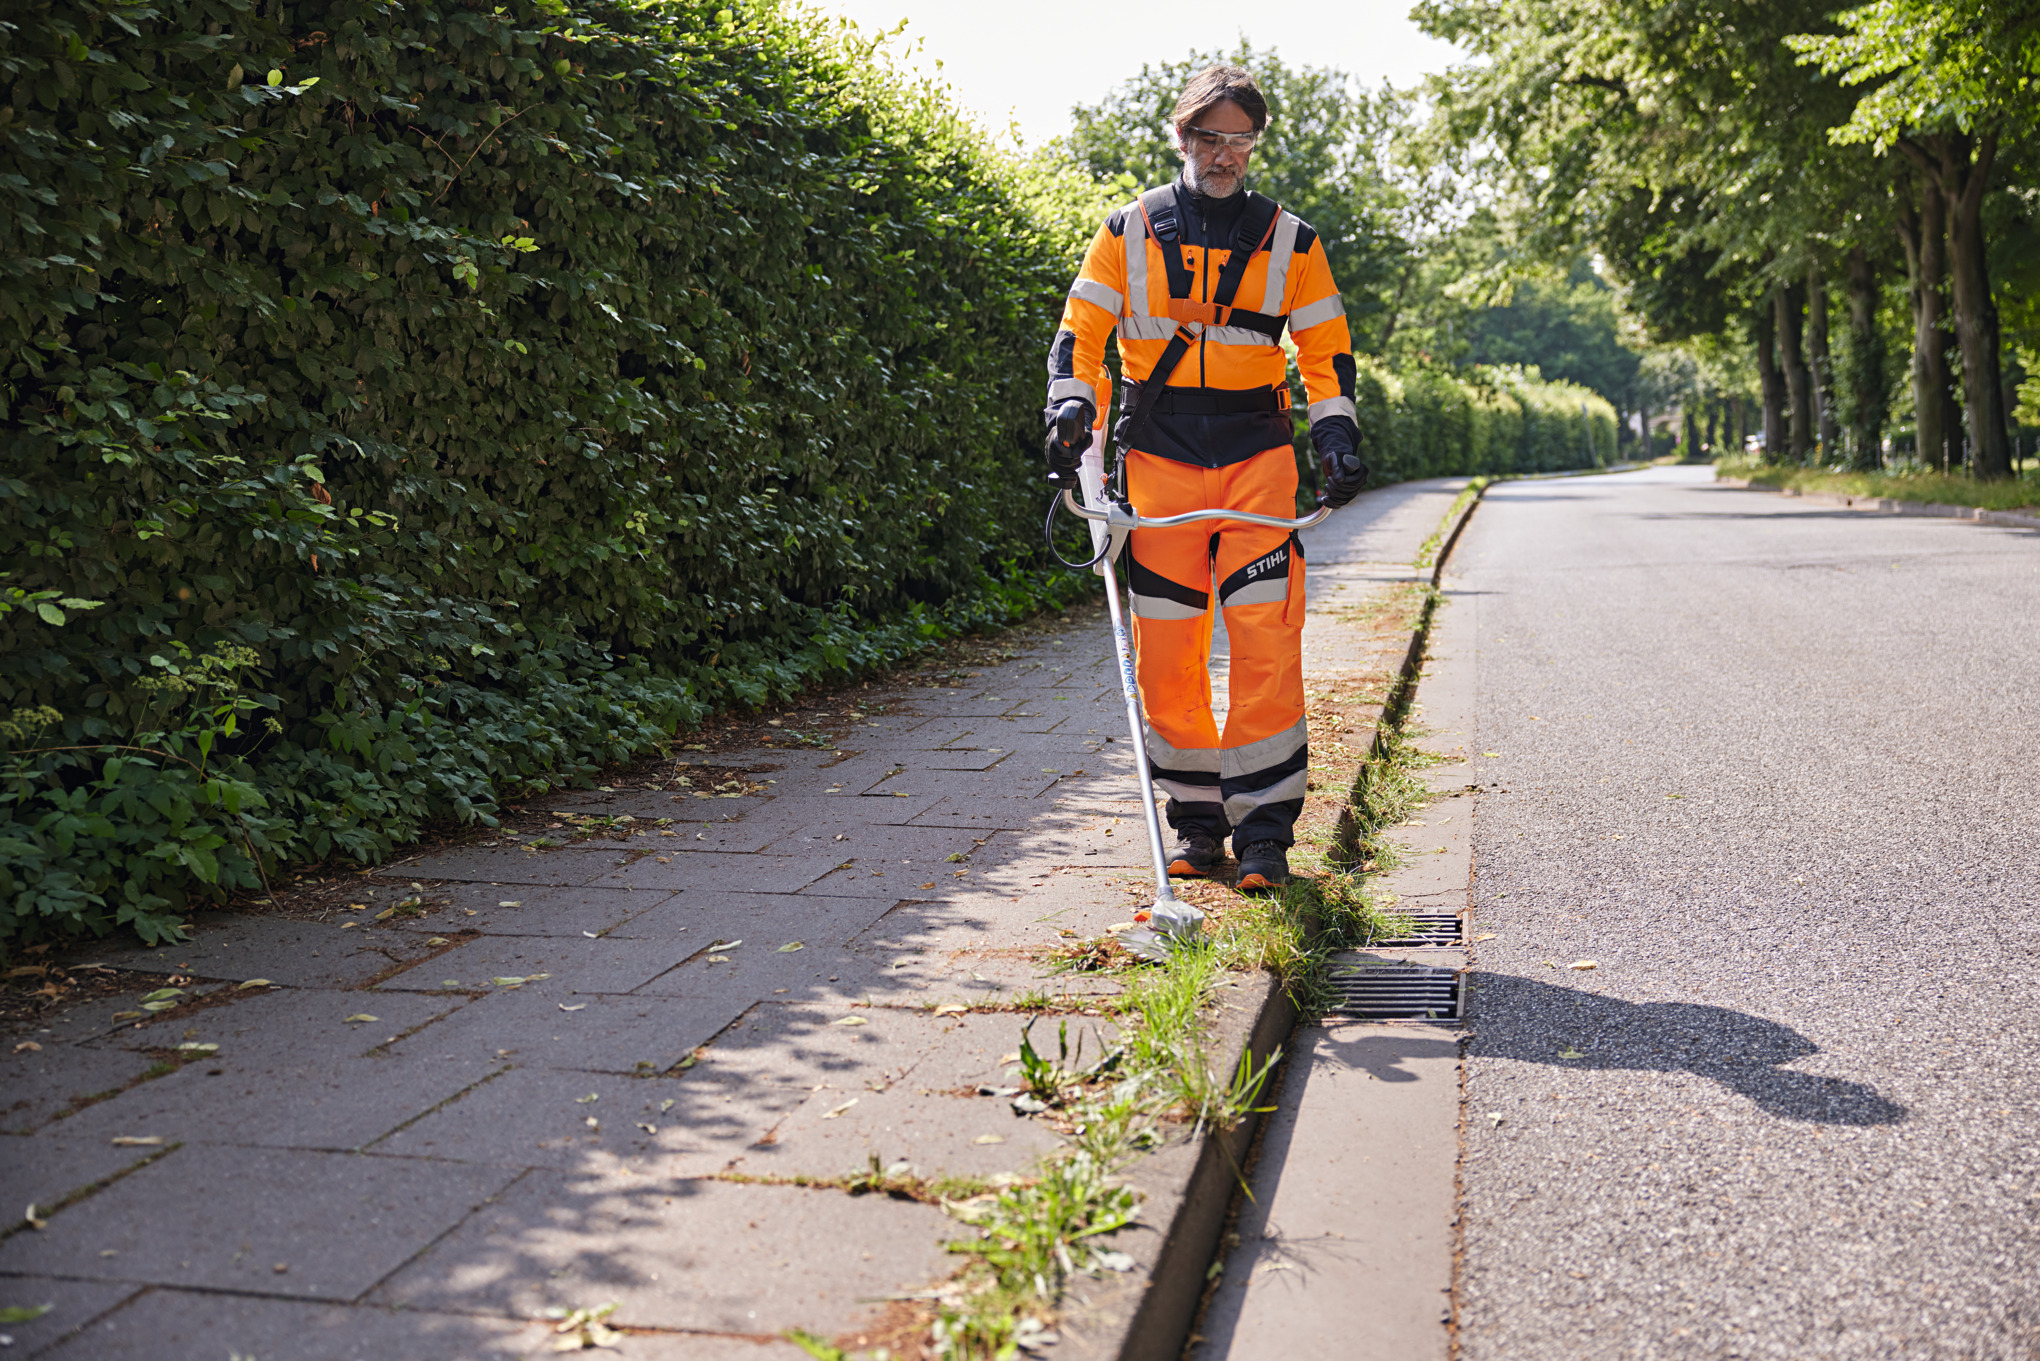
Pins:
x: 1069, y: 435
x: 1345, y: 474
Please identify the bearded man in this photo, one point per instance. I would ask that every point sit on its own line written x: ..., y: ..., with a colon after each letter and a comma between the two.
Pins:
x: 1198, y: 280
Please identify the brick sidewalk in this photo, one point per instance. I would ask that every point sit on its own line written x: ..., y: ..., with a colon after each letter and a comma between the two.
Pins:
x: 592, y: 1073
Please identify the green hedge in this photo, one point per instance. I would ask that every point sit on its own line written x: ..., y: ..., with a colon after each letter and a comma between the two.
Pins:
x: 1438, y: 422
x: 410, y: 405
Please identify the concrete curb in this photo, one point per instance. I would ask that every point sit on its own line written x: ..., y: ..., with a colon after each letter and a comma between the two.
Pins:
x: 1885, y: 505
x: 1155, y: 1325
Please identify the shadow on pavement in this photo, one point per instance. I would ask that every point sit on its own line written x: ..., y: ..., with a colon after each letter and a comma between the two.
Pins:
x: 1538, y: 1022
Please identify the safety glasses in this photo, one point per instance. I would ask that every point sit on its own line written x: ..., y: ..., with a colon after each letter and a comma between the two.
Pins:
x: 1206, y: 140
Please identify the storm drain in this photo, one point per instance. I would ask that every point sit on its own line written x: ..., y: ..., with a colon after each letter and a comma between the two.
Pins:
x: 1395, y: 992
x: 1429, y: 928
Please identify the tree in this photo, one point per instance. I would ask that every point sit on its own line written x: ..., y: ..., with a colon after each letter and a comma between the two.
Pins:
x: 1949, y: 79
x: 1567, y: 328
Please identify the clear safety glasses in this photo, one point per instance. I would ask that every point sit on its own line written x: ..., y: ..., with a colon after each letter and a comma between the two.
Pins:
x: 1206, y: 140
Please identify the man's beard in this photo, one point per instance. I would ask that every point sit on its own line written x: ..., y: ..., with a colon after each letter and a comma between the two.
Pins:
x: 1212, y: 183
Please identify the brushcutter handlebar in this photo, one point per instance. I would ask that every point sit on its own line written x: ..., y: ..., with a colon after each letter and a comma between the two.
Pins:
x: 1121, y: 519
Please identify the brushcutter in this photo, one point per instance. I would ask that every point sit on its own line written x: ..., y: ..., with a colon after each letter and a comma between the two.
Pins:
x: 1170, y: 921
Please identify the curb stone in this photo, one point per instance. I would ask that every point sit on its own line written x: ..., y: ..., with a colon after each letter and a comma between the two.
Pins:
x: 1151, y: 1320
x: 1885, y: 505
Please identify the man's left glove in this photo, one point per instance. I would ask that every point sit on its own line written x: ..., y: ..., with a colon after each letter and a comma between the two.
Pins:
x: 1345, y: 474
x: 1069, y: 435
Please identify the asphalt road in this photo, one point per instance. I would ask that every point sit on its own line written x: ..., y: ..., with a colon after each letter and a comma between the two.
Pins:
x: 1772, y: 767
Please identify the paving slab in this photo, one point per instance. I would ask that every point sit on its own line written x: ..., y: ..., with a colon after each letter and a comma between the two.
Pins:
x: 238, y: 947
x: 998, y: 782
x: 574, y: 962
x: 41, y: 1169
x: 37, y: 1086
x: 664, y: 872
x: 522, y: 910
x: 222, y: 1218
x: 71, y: 1306
x: 191, y: 1325
x: 537, y: 1024
x: 700, y: 1254
x: 279, y: 1025
x: 560, y: 866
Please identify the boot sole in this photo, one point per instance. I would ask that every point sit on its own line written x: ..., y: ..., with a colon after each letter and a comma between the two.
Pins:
x: 1183, y: 869
x: 1259, y: 883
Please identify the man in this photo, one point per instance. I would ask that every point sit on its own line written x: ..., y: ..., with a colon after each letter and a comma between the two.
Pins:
x: 1198, y: 280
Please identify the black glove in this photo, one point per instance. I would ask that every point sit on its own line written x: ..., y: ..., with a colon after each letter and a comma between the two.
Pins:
x: 1069, y: 435
x: 1345, y: 475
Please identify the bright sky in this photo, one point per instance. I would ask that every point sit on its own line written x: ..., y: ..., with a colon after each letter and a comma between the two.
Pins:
x: 1030, y: 62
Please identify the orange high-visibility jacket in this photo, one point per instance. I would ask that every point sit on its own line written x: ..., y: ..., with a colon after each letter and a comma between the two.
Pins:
x: 1227, y: 399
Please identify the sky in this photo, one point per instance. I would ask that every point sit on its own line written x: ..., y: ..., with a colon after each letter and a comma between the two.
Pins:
x: 1028, y: 63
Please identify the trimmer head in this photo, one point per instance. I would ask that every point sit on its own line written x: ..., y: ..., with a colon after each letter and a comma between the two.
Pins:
x: 1172, y: 925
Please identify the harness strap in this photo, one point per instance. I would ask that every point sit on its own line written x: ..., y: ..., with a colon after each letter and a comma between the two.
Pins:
x: 1158, y: 206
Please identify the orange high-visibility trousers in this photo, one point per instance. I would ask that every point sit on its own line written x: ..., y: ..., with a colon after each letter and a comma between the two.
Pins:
x: 1250, y: 780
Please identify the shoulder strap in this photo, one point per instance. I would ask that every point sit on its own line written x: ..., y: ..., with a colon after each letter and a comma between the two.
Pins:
x: 1165, y: 226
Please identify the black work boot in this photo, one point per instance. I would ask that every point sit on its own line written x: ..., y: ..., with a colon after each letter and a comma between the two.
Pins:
x: 1195, y: 854
x: 1264, y: 867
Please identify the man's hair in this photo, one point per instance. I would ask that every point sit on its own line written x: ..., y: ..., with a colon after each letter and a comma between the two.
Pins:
x: 1214, y: 85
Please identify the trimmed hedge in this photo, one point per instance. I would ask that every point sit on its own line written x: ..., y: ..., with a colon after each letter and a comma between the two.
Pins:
x: 408, y: 405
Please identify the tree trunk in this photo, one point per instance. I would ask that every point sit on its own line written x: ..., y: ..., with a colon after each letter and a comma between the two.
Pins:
x: 1773, y: 382
x: 1921, y: 231
x: 1791, y: 307
x: 1961, y: 169
x: 1820, y: 363
x: 1712, y: 439
x: 1863, y: 382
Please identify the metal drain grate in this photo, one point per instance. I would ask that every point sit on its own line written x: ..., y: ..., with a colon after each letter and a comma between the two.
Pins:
x: 1392, y: 992
x: 1429, y: 928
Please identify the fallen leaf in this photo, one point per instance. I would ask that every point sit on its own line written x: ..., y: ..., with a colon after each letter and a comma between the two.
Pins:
x: 989, y: 1139
x: 137, y: 1141
x: 580, y: 1006
x: 515, y: 902
x: 951, y: 1009
x: 831, y: 1115
x: 509, y: 981
x: 1117, y: 927
x: 363, y: 1016
x: 1583, y: 964
x: 385, y: 914
x: 195, y: 1047
x: 1497, y: 1117
x: 159, y: 1006
x: 23, y: 1313
x: 1570, y: 1053
x: 439, y: 940
x: 254, y: 983
x: 127, y: 1015
x: 791, y: 946
x: 955, y: 857
x: 851, y: 1020
x: 726, y: 945
x: 161, y: 994
x: 591, y: 935
x: 28, y: 1047
x: 929, y: 884
x: 592, y: 1123
x: 1491, y: 753
x: 666, y: 1105
x: 280, y: 1268
x: 348, y: 926
x: 584, y: 1100
x: 647, y: 1128
x: 718, y: 959
x: 1013, y: 1057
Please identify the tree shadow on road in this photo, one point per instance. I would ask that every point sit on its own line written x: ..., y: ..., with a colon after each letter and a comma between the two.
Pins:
x: 1538, y: 1022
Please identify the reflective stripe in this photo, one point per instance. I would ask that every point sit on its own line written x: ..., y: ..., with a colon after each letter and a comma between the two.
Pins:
x: 1334, y: 406
x: 1136, y: 264
x: 1237, y: 335
x: 1161, y: 607
x: 1280, y: 249
x: 1317, y: 314
x: 1239, y: 806
x: 1150, y: 328
x: 1272, y: 591
x: 1062, y: 389
x: 1098, y: 295
x: 1236, y: 762
x: 1187, y: 793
